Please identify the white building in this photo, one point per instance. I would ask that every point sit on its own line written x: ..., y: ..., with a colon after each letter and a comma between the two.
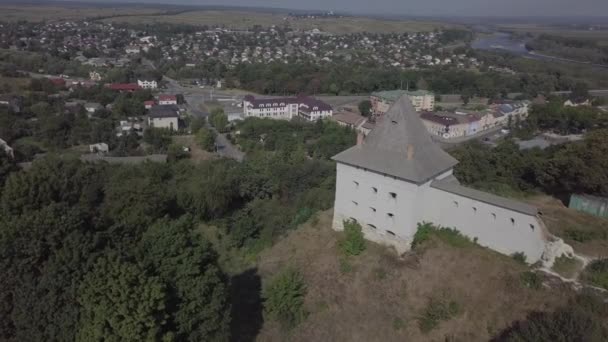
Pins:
x: 286, y: 108
x: 99, y: 148
x: 132, y: 50
x: 147, y: 84
x: 92, y: 107
x: 7, y: 149
x: 95, y: 76
x: 164, y: 117
x: 397, y: 177
x: 421, y: 99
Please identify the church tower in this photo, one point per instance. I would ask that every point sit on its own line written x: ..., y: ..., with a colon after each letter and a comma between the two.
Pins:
x: 398, y: 177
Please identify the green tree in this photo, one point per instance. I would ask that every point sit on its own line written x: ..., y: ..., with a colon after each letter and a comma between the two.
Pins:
x: 218, y: 119
x: 365, y: 108
x: 196, y: 124
x: 206, y: 139
x: 284, y: 298
x: 353, y: 242
x: 200, y: 307
x: 120, y: 302
x: 158, y: 138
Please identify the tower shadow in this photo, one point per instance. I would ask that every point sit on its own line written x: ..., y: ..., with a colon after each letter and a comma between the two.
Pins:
x: 246, y: 312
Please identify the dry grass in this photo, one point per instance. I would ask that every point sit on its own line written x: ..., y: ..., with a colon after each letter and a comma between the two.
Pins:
x: 197, y: 154
x: 568, y: 267
x: 562, y: 221
x: 13, y: 84
x: 44, y: 13
x: 244, y: 20
x: 382, y: 296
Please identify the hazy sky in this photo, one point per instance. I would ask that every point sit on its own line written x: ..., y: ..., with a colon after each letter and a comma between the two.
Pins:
x: 422, y: 7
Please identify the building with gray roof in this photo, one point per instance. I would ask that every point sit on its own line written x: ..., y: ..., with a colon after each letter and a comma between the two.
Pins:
x: 397, y: 177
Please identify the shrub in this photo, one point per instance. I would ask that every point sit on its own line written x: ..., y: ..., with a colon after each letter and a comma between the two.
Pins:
x: 520, y: 257
x: 302, y: 215
x: 436, y: 311
x: 448, y: 235
x: 531, y: 280
x: 423, y: 233
x: 567, y: 266
x: 354, y: 241
x: 206, y: 139
x: 581, y: 320
x: 284, y: 298
x: 597, y: 273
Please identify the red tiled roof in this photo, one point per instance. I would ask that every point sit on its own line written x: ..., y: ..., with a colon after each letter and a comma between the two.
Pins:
x: 124, y: 86
x: 57, y: 81
x: 167, y: 98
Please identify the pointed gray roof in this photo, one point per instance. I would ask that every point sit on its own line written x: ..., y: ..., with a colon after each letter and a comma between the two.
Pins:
x: 385, y: 150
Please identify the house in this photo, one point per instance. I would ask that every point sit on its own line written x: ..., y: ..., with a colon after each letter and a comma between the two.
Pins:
x: 166, y: 116
x: 421, y: 99
x: 351, y: 120
x: 286, y: 108
x: 577, y: 102
x: 14, y: 102
x: 149, y: 104
x: 124, y: 87
x: 397, y: 177
x: 58, y: 82
x: 99, y: 148
x: 92, y: 107
x: 450, y: 125
x: 132, y: 50
x: 95, y: 76
x: 147, y: 83
x: 167, y: 99
x: 311, y: 109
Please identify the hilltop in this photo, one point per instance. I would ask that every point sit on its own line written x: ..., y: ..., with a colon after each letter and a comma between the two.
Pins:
x: 379, y: 296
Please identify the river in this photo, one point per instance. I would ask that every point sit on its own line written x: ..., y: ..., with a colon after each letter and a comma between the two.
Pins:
x: 502, y: 41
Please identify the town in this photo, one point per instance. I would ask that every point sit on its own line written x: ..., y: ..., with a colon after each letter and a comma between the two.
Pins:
x: 179, y: 173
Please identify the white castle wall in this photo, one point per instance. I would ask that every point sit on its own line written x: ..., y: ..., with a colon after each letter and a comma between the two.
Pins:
x: 355, y: 201
x: 415, y: 204
x: 503, y: 230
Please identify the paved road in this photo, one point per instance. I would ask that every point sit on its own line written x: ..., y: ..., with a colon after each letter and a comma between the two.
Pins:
x: 195, y: 98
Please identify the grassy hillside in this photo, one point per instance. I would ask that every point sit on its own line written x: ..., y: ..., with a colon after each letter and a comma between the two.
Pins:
x: 378, y: 296
x: 587, y: 234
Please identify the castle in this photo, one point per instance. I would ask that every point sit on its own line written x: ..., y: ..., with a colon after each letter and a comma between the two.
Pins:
x: 398, y: 177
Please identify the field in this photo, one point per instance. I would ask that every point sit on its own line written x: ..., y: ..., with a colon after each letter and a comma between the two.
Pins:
x: 598, y: 35
x: 244, y: 20
x: 379, y: 296
x: 45, y: 13
x: 12, y: 84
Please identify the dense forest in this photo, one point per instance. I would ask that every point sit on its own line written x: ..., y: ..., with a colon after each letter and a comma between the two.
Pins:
x: 100, y: 252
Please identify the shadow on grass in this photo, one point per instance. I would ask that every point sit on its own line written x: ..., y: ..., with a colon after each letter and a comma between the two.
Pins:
x: 247, y: 318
